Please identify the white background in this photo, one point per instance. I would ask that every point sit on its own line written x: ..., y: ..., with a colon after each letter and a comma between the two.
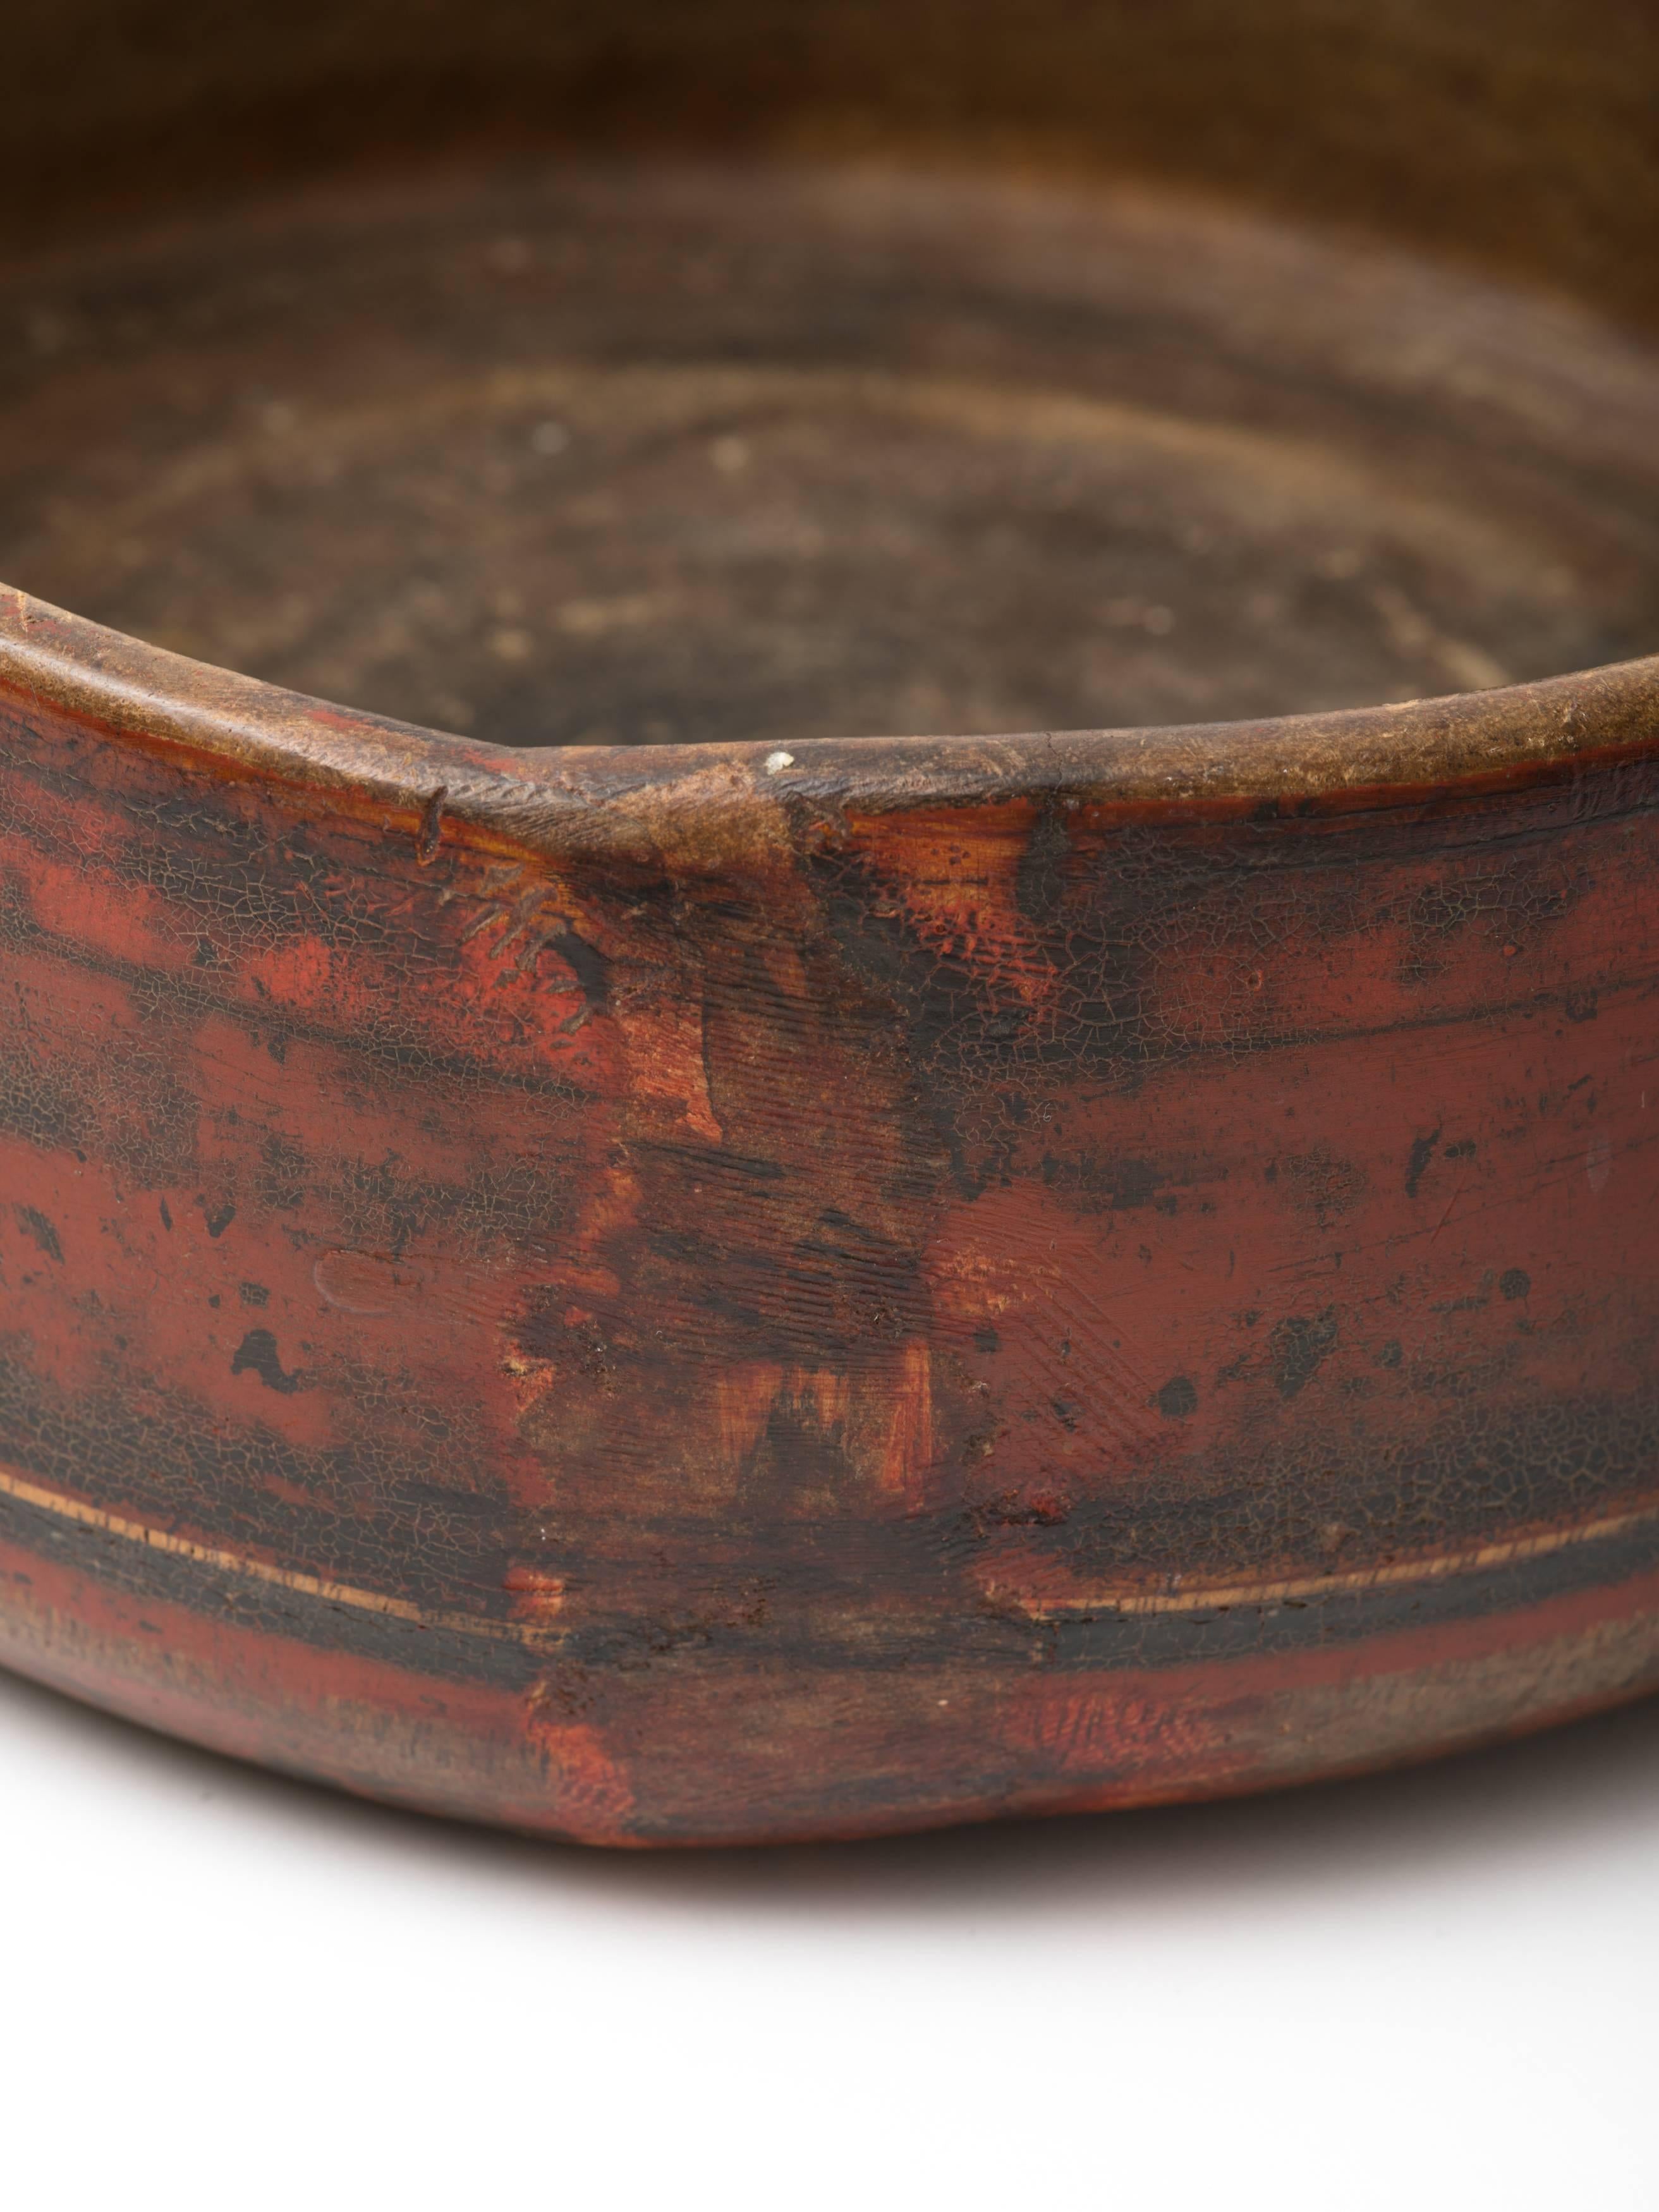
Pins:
x: 1435, y: 1989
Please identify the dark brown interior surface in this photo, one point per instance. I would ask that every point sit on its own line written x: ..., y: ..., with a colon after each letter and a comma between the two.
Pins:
x: 1520, y: 132
x: 656, y: 371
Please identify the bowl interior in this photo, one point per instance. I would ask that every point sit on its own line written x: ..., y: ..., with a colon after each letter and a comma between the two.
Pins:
x: 668, y: 374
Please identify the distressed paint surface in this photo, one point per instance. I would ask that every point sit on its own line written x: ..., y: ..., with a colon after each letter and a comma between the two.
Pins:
x: 664, y: 1297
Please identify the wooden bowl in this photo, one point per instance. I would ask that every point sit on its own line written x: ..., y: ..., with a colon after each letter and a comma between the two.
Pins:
x: 662, y: 1270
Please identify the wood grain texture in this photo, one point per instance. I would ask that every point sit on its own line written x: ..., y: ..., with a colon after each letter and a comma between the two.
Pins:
x: 705, y: 1293
x: 735, y: 1292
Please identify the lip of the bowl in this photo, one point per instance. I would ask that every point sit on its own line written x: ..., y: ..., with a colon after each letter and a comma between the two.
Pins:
x: 711, y: 807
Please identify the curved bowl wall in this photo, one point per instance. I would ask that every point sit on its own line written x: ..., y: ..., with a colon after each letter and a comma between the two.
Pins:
x: 754, y: 1290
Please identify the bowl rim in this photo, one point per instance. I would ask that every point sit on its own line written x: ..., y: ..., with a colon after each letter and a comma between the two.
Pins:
x: 723, y: 806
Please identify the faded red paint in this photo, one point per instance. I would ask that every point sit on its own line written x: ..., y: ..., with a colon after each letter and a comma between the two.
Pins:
x: 674, y: 1304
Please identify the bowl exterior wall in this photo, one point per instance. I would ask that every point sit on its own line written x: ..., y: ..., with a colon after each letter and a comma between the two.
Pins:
x: 933, y: 1298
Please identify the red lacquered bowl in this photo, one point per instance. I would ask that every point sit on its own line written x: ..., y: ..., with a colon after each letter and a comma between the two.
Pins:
x: 653, y: 1272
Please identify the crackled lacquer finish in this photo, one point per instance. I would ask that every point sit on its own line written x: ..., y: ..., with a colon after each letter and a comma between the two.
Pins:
x: 707, y: 1295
